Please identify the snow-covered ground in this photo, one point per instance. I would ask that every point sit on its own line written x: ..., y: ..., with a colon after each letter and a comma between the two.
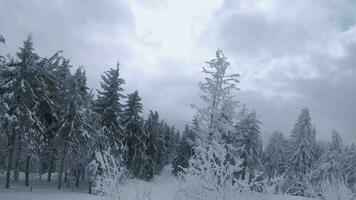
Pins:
x: 162, y: 187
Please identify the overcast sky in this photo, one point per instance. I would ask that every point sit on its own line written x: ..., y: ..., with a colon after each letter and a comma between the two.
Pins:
x: 290, y: 54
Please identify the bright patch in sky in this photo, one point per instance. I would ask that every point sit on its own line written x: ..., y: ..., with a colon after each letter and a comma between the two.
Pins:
x: 170, y: 29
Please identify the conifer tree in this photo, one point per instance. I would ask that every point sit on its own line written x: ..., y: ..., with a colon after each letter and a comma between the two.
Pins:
x: 300, y: 152
x: 215, y: 118
x: 155, y: 145
x: 249, y: 145
x: 185, y: 151
x: 274, y: 155
x: 136, y: 155
x: 20, y: 85
x: 301, y: 144
x: 48, y: 111
x: 109, y: 107
x: 73, y: 129
x: 351, y: 168
x: 330, y: 166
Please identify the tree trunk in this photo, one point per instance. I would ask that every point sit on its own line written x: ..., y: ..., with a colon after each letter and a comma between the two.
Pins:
x: 51, y: 165
x: 68, y: 179
x: 27, y: 172
x: 65, y: 176
x: 83, y: 174
x: 16, y: 172
x: 61, y: 172
x: 89, y: 188
x: 77, y: 177
x: 10, y: 158
x: 250, y: 176
x: 243, y: 173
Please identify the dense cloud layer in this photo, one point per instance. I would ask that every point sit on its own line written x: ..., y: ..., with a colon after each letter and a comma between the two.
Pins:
x: 290, y: 55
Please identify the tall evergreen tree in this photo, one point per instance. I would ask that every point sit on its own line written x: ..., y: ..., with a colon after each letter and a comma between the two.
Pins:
x: 20, y: 85
x: 110, y: 109
x: 216, y: 92
x: 300, y: 153
x: 48, y: 112
x: 330, y: 166
x: 136, y: 155
x: 274, y: 155
x: 73, y: 129
x: 301, y: 149
x: 249, y: 145
x: 351, y: 168
x: 155, y: 145
x: 185, y: 151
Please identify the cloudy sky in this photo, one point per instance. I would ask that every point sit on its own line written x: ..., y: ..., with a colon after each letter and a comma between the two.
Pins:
x: 290, y: 54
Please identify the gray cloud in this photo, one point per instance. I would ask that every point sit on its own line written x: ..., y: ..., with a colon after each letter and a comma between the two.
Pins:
x: 91, y: 33
x: 290, y: 55
x: 293, y: 55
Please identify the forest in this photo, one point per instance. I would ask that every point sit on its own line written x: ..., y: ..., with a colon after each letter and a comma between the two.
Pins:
x: 55, y: 127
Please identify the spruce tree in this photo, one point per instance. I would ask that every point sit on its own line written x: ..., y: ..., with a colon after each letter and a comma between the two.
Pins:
x: 274, y: 155
x: 136, y: 155
x: 109, y: 107
x: 249, y: 145
x: 351, y: 168
x: 301, y: 144
x: 216, y: 92
x: 48, y: 111
x: 21, y: 84
x: 330, y: 166
x: 155, y: 146
x: 185, y: 151
x: 300, y: 154
x: 73, y: 129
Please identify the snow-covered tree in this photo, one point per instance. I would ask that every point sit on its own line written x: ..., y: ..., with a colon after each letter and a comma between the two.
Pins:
x: 79, y: 158
x: 211, y: 174
x: 110, y: 174
x: 48, y: 111
x: 96, y: 141
x: 275, y: 160
x: 301, y: 149
x: 249, y: 145
x: 171, y: 140
x: 20, y: 88
x: 185, y: 151
x: 216, y: 91
x: 109, y: 107
x: 351, y: 168
x: 330, y: 167
x: 300, y: 152
x: 136, y: 155
x: 73, y: 129
x: 155, y: 146
x: 320, y: 148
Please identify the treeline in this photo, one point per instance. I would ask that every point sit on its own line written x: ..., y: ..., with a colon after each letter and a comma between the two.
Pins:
x: 298, y: 164
x: 51, y: 123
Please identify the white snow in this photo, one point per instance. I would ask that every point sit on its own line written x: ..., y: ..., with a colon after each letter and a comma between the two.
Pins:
x: 44, y: 194
x: 162, y: 187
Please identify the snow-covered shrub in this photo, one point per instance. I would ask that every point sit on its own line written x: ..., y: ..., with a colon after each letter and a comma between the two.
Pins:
x: 335, y: 191
x: 298, y: 186
x: 273, y: 185
x: 143, y: 191
x: 109, y: 175
x: 211, y: 174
